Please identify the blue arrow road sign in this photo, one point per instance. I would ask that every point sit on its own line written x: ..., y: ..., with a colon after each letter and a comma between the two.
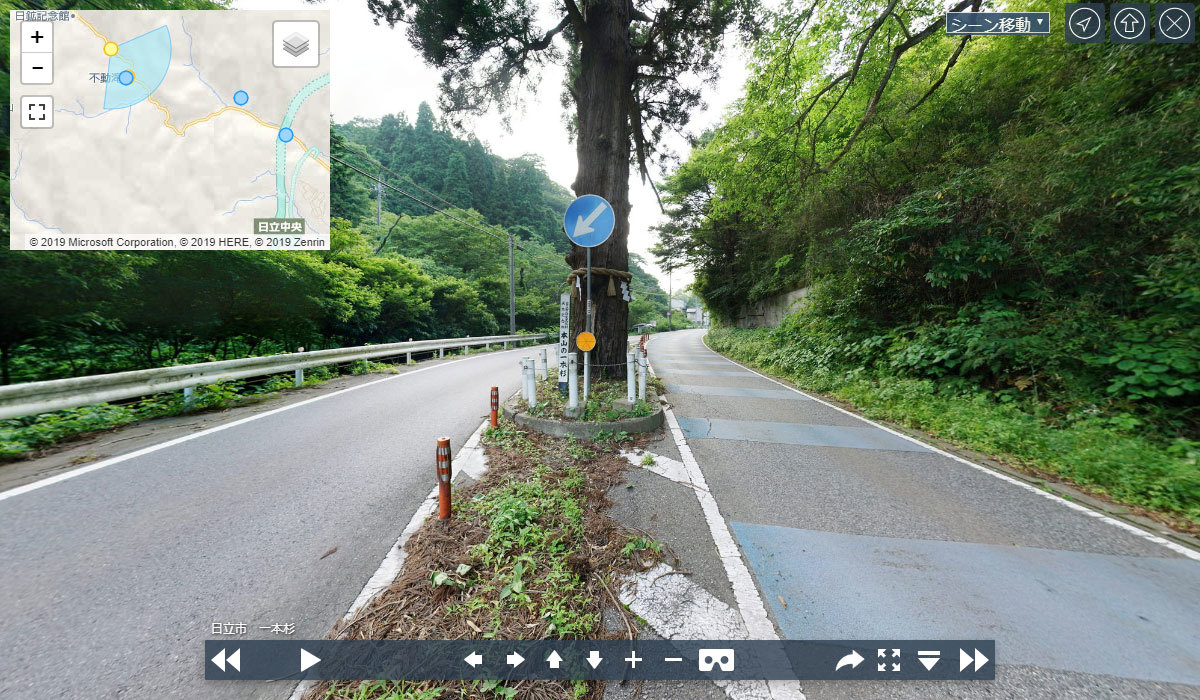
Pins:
x: 589, y: 221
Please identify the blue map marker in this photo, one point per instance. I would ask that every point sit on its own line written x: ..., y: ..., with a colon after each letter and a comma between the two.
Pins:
x: 286, y: 134
x: 240, y: 98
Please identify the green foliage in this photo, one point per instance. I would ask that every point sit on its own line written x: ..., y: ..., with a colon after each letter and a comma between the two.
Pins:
x: 634, y: 544
x: 1013, y: 231
x: 533, y: 525
x: 599, y: 407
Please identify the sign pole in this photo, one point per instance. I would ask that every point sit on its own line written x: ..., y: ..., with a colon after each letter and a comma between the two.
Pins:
x: 564, y: 339
x: 587, y: 356
x: 588, y: 222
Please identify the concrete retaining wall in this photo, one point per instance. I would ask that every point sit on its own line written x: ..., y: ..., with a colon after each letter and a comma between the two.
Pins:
x: 770, y: 311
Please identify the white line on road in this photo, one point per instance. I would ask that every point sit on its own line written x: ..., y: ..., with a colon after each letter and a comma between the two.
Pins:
x: 745, y: 591
x: 393, y: 561
x: 1130, y: 527
x: 224, y: 426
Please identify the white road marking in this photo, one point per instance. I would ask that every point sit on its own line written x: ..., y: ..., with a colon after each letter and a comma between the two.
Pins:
x: 664, y: 466
x: 393, y: 561
x: 26, y: 488
x: 1130, y: 527
x: 745, y: 592
x: 676, y: 608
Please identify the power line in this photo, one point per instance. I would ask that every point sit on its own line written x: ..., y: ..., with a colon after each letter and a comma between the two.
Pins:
x: 493, y: 233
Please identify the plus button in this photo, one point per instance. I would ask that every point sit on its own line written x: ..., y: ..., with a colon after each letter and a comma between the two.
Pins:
x: 633, y: 659
x: 37, y: 36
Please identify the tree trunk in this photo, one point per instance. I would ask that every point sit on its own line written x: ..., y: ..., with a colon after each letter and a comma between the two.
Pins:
x: 602, y: 146
x: 5, y: 363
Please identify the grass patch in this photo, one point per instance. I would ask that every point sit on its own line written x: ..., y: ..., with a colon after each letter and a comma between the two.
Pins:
x: 1103, y: 454
x: 530, y: 554
x: 551, y: 403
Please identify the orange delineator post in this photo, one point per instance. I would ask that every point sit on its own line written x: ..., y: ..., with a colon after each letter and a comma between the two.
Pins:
x: 495, y: 406
x: 443, y: 476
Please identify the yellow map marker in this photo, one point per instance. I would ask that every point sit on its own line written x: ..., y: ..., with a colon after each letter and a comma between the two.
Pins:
x: 110, y: 48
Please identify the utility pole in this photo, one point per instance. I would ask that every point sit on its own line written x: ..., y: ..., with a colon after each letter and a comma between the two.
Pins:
x: 379, y: 199
x: 670, y: 299
x: 512, y: 291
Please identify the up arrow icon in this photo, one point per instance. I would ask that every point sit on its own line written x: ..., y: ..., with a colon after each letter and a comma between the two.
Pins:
x: 554, y: 659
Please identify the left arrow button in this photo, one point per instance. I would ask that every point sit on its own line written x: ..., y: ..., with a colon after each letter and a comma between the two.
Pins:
x: 307, y: 660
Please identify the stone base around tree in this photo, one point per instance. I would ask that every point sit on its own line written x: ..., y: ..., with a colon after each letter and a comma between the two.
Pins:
x: 587, y: 430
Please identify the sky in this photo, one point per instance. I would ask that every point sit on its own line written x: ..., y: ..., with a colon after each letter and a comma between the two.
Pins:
x: 375, y: 71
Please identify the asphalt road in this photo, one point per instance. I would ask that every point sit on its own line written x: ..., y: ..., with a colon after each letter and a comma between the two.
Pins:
x: 865, y: 535
x: 111, y: 580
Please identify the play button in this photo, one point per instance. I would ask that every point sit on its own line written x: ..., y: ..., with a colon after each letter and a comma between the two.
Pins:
x: 307, y: 660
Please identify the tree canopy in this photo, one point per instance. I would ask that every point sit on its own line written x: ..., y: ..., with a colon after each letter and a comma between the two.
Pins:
x: 1005, y: 211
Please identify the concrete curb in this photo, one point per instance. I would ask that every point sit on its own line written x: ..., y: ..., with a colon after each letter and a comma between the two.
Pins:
x: 588, y: 430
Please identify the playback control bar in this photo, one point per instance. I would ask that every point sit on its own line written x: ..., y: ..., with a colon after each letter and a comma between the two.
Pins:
x: 446, y: 660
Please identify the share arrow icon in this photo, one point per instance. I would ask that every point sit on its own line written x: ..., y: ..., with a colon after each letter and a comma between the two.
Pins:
x: 853, y: 659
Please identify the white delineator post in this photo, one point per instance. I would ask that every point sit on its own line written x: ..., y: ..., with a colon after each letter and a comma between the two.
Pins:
x: 531, y: 382
x: 572, y: 381
x: 300, y: 372
x: 525, y: 379
x: 630, y: 361
x: 544, y: 370
x: 642, y: 376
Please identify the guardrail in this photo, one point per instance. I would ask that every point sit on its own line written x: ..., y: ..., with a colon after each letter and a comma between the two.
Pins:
x: 31, y: 398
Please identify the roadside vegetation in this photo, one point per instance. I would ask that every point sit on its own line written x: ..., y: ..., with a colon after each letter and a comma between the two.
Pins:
x: 1000, y: 237
x: 1104, y: 453
x: 419, y: 274
x: 529, y: 554
x: 30, y: 436
x: 552, y: 404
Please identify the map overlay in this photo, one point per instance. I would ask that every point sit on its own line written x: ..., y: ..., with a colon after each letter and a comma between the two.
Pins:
x: 146, y: 129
